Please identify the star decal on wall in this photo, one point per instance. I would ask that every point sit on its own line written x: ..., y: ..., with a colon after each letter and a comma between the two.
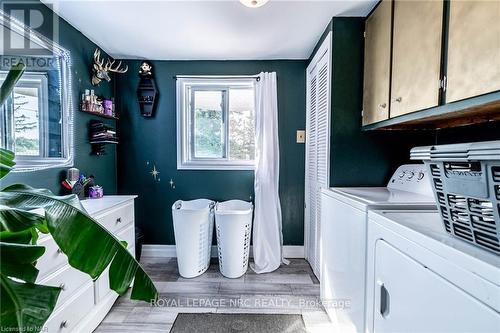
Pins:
x: 155, y: 173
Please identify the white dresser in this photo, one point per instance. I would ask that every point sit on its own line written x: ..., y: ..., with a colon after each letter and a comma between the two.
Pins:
x: 84, y: 303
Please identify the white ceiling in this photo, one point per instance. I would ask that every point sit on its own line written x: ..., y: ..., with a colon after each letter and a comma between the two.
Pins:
x: 206, y: 30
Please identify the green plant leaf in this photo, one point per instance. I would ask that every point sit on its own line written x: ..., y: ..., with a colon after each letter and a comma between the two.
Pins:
x: 6, y: 161
x: 21, y: 237
x: 14, y: 219
x: 89, y: 246
x: 18, y: 260
x: 17, y: 222
x: 25, y: 307
x: 7, y: 157
x: 8, y: 85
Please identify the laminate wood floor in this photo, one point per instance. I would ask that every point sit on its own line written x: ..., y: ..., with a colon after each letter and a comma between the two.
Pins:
x: 291, y: 289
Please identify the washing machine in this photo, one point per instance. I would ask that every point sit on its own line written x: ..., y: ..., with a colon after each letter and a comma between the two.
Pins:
x: 420, y: 279
x: 344, y: 216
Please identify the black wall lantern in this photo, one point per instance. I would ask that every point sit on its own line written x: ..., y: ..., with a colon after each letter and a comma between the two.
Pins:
x: 146, y: 92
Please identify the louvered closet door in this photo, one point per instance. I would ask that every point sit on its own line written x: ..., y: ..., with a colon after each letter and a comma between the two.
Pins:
x: 311, y: 172
x: 317, y: 150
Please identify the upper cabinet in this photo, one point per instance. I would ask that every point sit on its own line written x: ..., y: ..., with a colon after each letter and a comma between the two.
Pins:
x: 473, y: 49
x: 416, y: 55
x: 431, y: 64
x: 377, y: 64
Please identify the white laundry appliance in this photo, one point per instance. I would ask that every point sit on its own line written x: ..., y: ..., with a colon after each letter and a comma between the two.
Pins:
x: 343, y: 238
x: 421, y: 279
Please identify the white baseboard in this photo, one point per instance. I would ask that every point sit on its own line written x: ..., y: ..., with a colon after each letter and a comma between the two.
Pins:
x: 153, y: 250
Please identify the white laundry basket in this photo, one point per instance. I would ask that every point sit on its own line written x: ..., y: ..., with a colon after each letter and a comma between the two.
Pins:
x: 193, y: 229
x: 233, y: 220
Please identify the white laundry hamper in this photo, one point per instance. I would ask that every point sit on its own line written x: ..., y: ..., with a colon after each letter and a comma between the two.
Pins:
x: 193, y: 229
x: 233, y: 220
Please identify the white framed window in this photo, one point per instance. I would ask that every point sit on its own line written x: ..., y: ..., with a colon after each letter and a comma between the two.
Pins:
x: 216, y: 123
x: 36, y: 120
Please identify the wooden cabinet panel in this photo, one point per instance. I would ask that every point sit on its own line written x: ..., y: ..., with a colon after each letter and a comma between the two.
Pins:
x: 416, y: 55
x: 377, y: 64
x: 473, y: 49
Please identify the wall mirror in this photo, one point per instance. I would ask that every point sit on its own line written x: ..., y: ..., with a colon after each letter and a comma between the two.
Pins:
x: 37, y: 118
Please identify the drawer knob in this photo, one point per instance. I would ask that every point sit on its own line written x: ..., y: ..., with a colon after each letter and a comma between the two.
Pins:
x: 64, y: 324
x: 383, y: 105
x: 399, y: 99
x: 119, y: 220
x: 62, y: 286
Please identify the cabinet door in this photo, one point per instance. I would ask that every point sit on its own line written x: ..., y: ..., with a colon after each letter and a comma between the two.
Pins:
x: 411, y: 298
x: 377, y: 64
x: 317, y: 147
x: 416, y: 55
x: 473, y: 49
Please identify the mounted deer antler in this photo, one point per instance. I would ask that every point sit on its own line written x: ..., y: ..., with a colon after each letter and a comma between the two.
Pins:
x: 101, y: 70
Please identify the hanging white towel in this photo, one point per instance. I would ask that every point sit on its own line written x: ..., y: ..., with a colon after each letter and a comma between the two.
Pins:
x: 267, y: 233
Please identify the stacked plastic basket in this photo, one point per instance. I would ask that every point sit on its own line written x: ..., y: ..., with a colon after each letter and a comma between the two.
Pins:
x: 193, y: 228
x: 466, y: 183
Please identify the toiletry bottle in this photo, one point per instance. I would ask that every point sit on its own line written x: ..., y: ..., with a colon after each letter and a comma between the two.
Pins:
x: 92, y: 100
x: 87, y: 100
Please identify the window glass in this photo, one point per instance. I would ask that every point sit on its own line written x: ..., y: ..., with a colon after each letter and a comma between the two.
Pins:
x: 208, y: 124
x: 241, y: 124
x: 27, y: 121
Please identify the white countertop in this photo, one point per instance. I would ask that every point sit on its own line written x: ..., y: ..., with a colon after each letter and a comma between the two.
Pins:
x: 95, y: 206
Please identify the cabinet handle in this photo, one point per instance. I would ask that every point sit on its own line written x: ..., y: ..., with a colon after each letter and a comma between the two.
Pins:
x: 62, y: 286
x: 119, y: 220
x: 59, y: 251
x: 399, y: 99
x: 64, y: 324
x: 385, y: 301
x: 383, y: 105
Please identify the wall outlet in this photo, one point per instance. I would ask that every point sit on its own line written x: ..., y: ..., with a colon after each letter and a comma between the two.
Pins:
x: 301, y: 136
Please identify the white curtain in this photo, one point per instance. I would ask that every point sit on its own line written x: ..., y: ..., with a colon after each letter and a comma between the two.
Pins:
x: 267, y: 234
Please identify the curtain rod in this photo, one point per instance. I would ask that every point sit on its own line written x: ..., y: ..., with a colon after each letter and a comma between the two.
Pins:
x: 256, y: 77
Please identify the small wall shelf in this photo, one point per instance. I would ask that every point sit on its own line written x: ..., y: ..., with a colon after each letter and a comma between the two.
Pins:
x: 146, y: 91
x: 100, y: 135
x: 102, y: 115
x: 103, y: 142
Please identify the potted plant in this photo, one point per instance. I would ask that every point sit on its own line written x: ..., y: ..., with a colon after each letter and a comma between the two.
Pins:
x: 24, y: 213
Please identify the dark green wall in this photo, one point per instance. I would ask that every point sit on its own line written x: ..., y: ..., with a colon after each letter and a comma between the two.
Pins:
x: 154, y: 141
x: 102, y: 167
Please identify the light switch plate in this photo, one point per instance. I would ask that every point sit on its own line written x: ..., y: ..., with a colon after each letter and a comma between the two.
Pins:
x: 301, y: 136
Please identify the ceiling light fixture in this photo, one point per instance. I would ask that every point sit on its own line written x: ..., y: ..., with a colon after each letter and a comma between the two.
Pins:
x: 254, y: 3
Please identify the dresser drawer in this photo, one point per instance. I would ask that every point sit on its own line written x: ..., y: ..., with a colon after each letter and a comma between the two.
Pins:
x: 67, y: 317
x: 128, y: 235
x: 118, y: 218
x: 68, y: 279
x: 52, y: 259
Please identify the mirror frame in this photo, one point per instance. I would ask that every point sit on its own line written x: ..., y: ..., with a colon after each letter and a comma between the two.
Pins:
x: 66, y: 93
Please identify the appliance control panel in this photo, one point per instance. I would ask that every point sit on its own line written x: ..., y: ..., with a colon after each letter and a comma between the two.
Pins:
x: 412, y: 178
